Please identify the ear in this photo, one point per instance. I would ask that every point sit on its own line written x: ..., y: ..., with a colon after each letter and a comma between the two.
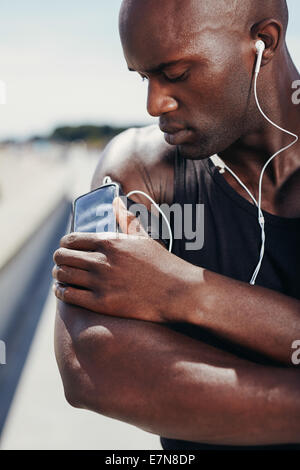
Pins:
x: 271, y: 32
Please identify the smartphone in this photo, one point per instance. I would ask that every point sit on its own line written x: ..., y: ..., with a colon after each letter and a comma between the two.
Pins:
x: 93, y: 212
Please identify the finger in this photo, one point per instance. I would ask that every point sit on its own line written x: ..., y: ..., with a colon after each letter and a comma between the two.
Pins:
x: 80, y: 241
x: 128, y: 222
x: 75, y: 276
x: 73, y: 258
x: 71, y: 295
x: 89, y: 241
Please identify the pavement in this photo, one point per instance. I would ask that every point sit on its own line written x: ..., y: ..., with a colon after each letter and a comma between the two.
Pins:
x: 41, y: 419
x: 30, y: 188
x: 32, y: 182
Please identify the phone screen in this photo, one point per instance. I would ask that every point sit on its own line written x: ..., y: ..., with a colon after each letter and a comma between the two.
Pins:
x: 93, y: 212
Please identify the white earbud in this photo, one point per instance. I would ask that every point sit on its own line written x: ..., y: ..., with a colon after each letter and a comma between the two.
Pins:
x: 260, y: 47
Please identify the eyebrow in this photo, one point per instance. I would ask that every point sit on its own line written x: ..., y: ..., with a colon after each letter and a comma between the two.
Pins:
x: 160, y: 67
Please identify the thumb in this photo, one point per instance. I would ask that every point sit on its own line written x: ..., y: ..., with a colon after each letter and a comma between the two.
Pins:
x: 128, y: 222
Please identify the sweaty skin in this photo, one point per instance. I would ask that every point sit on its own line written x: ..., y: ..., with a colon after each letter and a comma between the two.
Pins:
x: 215, y: 99
x: 115, y: 352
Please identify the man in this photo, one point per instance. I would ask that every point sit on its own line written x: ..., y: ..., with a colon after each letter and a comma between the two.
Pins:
x: 180, y: 344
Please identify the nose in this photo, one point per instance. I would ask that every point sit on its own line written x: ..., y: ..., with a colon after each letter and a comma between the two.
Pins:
x: 159, y: 100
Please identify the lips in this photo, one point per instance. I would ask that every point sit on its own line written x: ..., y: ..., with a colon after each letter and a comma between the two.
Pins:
x: 176, y: 136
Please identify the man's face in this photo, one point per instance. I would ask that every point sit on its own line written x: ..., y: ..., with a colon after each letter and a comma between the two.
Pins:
x: 201, y: 92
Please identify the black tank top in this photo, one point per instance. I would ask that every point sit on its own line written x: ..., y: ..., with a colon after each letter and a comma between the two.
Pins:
x: 232, y: 239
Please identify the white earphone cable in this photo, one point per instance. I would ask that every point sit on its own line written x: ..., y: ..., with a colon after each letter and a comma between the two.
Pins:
x: 261, y: 219
x: 223, y: 166
x: 159, y: 210
x: 253, y: 279
x: 278, y: 127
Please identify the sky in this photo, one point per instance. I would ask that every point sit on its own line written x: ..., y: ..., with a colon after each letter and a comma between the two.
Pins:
x: 62, y: 63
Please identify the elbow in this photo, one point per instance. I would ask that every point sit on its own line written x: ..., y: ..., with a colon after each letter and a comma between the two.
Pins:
x: 75, y: 388
x: 72, y: 400
x: 83, y: 363
x: 69, y: 367
x: 82, y: 390
x: 74, y: 382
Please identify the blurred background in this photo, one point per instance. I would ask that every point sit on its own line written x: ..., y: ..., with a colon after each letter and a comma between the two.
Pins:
x: 64, y: 92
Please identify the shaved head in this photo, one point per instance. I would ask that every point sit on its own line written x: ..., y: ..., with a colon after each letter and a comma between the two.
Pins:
x: 181, y: 17
x: 198, y: 56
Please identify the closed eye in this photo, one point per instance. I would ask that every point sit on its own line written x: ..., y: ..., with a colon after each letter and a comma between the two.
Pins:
x: 179, y: 78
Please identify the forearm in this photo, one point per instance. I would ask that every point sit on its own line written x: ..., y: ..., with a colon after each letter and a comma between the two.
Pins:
x: 254, y: 317
x: 161, y: 287
x: 169, y: 384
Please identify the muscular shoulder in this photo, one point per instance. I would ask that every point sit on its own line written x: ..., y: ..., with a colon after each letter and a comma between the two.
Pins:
x: 139, y: 158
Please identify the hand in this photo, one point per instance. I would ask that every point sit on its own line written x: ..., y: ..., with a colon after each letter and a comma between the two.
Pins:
x: 126, y: 275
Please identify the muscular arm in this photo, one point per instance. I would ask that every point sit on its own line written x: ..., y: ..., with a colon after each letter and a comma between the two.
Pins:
x: 164, y: 382
x: 261, y: 319
x: 168, y: 384
x: 253, y: 317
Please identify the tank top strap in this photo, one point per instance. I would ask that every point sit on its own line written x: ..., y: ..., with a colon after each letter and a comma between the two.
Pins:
x: 191, y: 180
x: 179, y: 178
